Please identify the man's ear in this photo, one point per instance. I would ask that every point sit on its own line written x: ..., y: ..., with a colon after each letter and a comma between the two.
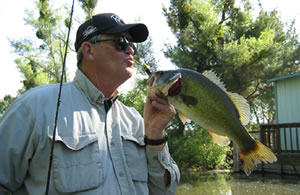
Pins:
x: 87, y: 52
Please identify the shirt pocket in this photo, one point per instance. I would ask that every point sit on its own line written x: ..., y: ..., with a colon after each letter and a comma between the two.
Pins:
x: 135, y: 155
x: 76, y: 163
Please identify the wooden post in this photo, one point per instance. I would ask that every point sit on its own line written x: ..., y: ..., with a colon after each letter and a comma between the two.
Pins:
x: 259, y: 137
x: 236, y: 158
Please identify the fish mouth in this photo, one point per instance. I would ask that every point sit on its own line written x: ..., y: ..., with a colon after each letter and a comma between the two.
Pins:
x: 175, y: 88
x: 150, y: 80
x: 168, y: 86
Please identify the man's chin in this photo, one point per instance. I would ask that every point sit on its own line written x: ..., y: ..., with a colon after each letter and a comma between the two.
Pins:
x: 129, y: 72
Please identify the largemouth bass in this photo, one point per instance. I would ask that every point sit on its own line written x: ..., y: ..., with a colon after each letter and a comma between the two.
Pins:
x: 204, y: 99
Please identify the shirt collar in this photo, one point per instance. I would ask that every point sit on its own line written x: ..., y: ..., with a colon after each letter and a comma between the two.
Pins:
x: 89, y: 89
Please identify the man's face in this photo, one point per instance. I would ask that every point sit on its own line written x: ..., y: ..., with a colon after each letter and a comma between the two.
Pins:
x: 111, y: 63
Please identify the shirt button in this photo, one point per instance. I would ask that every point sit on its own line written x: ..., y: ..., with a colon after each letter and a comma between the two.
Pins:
x: 112, y: 144
x: 121, y: 174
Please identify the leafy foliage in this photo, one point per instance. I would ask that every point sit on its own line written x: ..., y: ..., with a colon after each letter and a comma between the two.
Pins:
x: 5, y: 103
x: 41, y: 59
x: 195, y: 149
x: 135, y: 97
x: 145, y: 55
x: 88, y: 6
x: 245, y: 51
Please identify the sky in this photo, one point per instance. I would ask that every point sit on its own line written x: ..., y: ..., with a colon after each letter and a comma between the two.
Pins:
x: 148, y: 12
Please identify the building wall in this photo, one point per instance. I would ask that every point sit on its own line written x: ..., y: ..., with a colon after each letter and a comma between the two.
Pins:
x: 287, y: 97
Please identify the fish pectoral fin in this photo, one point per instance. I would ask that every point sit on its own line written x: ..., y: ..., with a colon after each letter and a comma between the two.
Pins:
x: 183, y: 118
x: 221, y: 140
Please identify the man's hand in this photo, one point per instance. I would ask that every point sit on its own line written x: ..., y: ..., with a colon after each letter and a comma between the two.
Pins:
x: 157, y: 114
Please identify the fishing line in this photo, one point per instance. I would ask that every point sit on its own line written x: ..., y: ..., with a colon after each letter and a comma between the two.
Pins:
x: 58, y: 100
x: 146, y: 69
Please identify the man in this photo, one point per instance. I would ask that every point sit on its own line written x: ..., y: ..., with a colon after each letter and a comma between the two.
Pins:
x: 101, y: 146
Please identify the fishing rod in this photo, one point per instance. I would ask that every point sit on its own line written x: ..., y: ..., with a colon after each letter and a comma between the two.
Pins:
x: 58, y: 99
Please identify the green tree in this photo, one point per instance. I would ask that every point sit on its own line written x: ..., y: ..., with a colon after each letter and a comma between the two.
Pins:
x: 4, y: 103
x: 41, y: 56
x: 195, y: 149
x: 88, y: 6
x: 245, y: 51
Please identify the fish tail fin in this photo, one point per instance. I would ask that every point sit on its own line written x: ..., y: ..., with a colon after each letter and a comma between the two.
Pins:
x: 260, y: 154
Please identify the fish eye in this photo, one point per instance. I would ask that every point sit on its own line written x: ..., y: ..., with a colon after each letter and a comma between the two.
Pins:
x: 160, y: 72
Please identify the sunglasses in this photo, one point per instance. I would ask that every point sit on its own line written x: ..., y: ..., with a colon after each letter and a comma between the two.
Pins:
x: 121, y: 43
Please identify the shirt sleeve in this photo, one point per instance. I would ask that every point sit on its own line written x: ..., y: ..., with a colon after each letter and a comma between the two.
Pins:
x: 16, y: 149
x: 158, y: 163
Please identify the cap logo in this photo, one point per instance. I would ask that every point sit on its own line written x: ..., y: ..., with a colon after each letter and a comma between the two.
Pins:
x: 116, y: 18
x: 89, y: 31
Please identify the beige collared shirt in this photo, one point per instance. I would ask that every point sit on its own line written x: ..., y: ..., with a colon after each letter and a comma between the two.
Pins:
x: 94, y: 152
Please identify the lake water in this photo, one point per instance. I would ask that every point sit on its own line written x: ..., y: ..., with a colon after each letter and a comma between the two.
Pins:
x: 238, y: 184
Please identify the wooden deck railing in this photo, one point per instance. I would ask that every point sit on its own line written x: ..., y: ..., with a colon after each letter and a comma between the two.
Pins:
x: 284, y: 141
x: 281, y: 138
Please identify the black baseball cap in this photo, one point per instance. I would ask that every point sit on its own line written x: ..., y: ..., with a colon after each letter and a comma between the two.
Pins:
x: 109, y: 23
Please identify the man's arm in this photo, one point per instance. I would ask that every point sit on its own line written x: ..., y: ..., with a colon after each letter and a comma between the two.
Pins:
x: 15, y: 150
x: 163, y: 172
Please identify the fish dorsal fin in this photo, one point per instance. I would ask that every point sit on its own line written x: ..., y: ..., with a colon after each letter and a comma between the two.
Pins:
x: 212, y: 76
x: 242, y: 107
x: 221, y: 140
x: 183, y: 118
